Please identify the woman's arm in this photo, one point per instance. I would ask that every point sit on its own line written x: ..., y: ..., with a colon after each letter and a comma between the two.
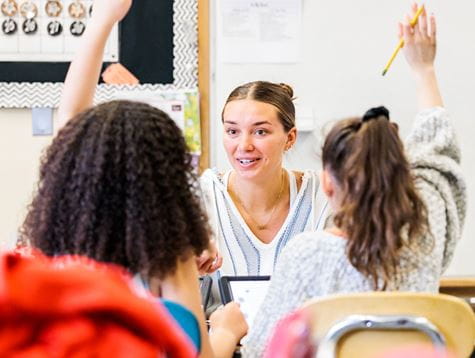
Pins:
x: 419, y: 51
x: 432, y: 146
x: 83, y: 73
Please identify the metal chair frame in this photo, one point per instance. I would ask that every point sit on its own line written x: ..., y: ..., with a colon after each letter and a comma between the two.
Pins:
x: 327, y: 348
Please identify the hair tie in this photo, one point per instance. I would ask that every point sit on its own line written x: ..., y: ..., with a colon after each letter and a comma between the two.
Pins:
x: 374, y: 113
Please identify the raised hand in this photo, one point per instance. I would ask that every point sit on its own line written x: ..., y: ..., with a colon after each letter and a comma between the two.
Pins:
x: 419, y: 50
x: 419, y: 41
x: 110, y: 11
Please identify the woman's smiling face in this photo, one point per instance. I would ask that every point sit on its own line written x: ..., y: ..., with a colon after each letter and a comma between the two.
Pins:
x: 254, y: 138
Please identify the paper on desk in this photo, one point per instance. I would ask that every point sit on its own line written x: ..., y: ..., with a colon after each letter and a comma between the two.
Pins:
x: 259, y: 31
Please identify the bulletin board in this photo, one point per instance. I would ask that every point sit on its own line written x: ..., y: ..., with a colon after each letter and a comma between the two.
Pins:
x: 157, y: 41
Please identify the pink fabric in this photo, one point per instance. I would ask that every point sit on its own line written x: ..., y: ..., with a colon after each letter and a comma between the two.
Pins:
x: 291, y: 338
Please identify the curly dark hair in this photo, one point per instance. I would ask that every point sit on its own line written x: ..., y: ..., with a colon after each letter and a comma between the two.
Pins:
x: 117, y: 185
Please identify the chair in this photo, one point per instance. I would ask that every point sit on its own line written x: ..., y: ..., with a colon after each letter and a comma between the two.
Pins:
x: 459, y: 286
x: 367, y: 324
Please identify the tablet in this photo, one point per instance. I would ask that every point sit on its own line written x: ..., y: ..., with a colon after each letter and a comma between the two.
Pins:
x: 248, y: 291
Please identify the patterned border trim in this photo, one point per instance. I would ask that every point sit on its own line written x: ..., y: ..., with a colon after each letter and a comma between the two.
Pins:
x: 185, y: 69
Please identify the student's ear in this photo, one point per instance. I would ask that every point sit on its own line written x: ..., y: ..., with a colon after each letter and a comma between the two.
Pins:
x: 327, y: 183
x: 291, y: 138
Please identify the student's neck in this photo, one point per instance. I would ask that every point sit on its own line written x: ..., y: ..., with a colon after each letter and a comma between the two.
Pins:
x: 259, y: 195
x: 176, y: 286
x: 337, y: 232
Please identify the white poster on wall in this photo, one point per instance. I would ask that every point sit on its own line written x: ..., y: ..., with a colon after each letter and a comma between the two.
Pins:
x: 259, y: 31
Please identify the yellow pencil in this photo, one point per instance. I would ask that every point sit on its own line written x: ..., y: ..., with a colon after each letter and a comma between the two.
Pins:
x: 401, y: 41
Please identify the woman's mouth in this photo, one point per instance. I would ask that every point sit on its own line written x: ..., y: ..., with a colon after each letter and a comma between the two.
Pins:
x: 247, y: 161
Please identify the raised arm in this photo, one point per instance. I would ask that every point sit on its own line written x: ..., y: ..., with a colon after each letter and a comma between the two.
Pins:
x: 419, y: 50
x: 83, y: 73
x: 432, y: 147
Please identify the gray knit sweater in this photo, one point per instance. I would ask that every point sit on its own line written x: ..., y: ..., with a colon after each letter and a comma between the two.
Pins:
x: 315, y: 264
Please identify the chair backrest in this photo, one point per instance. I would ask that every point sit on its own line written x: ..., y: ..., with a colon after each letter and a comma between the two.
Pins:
x: 459, y: 286
x: 411, y: 318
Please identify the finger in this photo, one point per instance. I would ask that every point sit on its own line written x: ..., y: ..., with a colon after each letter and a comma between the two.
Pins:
x: 200, y: 261
x: 204, y: 263
x: 433, y: 28
x: 415, y: 27
x: 414, y: 8
x: 218, y: 261
x: 407, y: 30
x: 208, y: 269
x: 399, y: 30
x: 423, y: 24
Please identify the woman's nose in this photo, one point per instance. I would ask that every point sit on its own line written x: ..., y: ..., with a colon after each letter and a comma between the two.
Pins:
x: 245, y: 143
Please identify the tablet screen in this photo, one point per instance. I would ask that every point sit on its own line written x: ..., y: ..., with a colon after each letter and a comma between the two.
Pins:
x: 249, y: 295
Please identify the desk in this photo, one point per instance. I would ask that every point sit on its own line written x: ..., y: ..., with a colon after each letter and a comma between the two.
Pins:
x: 461, y: 286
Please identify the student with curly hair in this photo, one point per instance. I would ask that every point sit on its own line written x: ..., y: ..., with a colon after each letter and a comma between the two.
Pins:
x: 117, y: 185
x: 396, y: 219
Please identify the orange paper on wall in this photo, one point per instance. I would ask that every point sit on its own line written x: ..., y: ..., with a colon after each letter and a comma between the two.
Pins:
x: 117, y: 74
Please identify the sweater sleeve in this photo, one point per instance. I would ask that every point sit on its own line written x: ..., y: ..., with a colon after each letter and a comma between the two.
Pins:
x: 288, y: 290
x: 434, y: 155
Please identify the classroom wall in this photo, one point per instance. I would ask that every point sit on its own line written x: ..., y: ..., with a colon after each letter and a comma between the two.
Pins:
x: 345, y: 47
x: 19, y: 159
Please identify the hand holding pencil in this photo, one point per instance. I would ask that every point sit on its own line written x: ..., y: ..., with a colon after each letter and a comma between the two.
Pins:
x: 419, y: 37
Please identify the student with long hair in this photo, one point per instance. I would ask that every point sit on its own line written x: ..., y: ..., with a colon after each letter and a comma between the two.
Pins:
x: 397, y: 218
x: 117, y: 185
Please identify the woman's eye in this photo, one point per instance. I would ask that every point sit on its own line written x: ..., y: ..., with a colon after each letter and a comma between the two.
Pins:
x: 231, y: 131
x: 261, y: 132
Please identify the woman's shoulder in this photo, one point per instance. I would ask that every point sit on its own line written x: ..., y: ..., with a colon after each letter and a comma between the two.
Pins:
x: 315, y: 243
x: 211, y: 176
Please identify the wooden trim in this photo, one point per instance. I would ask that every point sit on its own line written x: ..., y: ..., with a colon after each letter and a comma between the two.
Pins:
x: 203, y: 79
x: 463, y: 287
x: 457, y: 282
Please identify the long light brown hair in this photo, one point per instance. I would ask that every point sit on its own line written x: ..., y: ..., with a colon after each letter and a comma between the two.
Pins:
x: 380, y: 209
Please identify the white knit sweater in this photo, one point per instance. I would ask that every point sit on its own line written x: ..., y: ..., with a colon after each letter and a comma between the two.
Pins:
x: 315, y: 264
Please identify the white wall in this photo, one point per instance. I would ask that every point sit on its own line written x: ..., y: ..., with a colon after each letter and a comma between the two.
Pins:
x: 19, y: 162
x: 345, y: 47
